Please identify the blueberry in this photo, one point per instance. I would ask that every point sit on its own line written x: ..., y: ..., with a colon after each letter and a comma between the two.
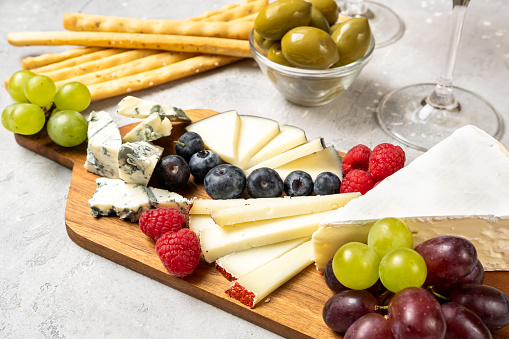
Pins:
x: 172, y: 172
x: 225, y: 182
x: 264, y: 183
x: 327, y: 183
x: 188, y: 144
x: 298, y: 183
x: 202, y: 162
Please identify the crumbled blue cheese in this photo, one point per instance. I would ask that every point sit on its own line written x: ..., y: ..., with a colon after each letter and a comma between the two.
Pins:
x: 133, y: 107
x: 137, y: 160
x: 150, y: 129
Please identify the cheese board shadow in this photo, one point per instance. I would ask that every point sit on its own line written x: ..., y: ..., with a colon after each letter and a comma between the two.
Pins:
x: 292, y: 311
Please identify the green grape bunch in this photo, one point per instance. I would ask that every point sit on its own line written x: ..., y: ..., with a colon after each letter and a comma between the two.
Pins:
x: 39, y: 103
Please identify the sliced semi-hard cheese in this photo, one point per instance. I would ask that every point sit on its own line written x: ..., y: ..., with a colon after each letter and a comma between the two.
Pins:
x: 220, y: 134
x: 133, y: 107
x: 326, y: 160
x: 288, y: 138
x: 309, y: 147
x: 130, y: 201
x: 137, y: 160
x: 281, y: 207
x: 103, y: 144
x: 219, y: 241
x: 150, y: 129
x: 235, y: 265
x: 459, y: 187
x: 254, y: 133
x: 207, y: 206
x: 252, y: 287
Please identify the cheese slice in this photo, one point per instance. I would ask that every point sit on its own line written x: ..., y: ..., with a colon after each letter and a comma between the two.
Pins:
x: 199, y: 222
x: 103, y: 144
x: 220, y: 134
x: 254, y: 286
x: 288, y: 138
x: 150, y: 129
x: 458, y: 187
x: 309, y: 147
x: 326, y: 160
x: 133, y: 107
x: 137, y: 161
x: 254, y: 133
x: 207, y: 206
x: 235, y: 265
x: 219, y: 241
x: 281, y: 207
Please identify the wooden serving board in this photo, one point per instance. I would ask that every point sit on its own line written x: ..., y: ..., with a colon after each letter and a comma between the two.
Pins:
x: 292, y: 311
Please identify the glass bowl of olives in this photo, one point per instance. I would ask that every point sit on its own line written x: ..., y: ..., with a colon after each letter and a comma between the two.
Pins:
x: 307, y: 53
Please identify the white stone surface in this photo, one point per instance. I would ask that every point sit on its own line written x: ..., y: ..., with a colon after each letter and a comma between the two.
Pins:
x: 52, y: 288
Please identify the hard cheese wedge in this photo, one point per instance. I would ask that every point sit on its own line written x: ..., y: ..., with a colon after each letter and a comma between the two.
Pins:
x: 133, y: 107
x: 217, y: 241
x: 150, y: 129
x: 326, y: 160
x: 288, y: 138
x: 137, y: 161
x: 459, y: 187
x: 235, y: 265
x: 220, y: 134
x: 281, y: 207
x: 254, y: 133
x: 252, y: 287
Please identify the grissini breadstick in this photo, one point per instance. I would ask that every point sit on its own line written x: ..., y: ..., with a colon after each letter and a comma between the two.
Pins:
x: 102, y: 23
x: 176, y: 43
x: 159, y: 76
x: 133, y: 67
x: 50, y: 58
x: 232, y: 11
x: 96, y: 65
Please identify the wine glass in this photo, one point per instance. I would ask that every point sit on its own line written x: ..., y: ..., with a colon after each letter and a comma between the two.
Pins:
x: 421, y: 115
x: 386, y: 26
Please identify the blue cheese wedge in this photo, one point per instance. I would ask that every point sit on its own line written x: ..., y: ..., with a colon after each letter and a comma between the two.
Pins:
x: 103, y: 144
x: 150, y: 129
x: 133, y: 107
x: 137, y: 160
x: 129, y: 201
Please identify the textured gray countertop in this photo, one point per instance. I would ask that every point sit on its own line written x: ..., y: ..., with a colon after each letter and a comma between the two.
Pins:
x: 52, y: 288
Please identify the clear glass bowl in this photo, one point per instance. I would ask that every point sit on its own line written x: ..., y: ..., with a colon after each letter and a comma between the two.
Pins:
x: 308, y: 87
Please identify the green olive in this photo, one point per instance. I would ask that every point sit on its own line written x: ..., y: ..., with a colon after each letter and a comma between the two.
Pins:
x: 263, y: 43
x: 309, y: 47
x: 277, y: 18
x: 329, y: 9
x: 352, y: 39
x: 318, y: 20
x: 275, y: 54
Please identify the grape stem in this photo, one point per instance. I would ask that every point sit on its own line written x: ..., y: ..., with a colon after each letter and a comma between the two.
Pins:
x: 436, y: 294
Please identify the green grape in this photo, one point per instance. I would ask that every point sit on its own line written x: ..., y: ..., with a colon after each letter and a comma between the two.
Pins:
x: 402, y: 268
x: 40, y: 90
x: 355, y: 265
x: 16, y: 85
x: 26, y: 119
x: 388, y: 234
x: 74, y: 96
x: 67, y: 128
x: 6, y: 115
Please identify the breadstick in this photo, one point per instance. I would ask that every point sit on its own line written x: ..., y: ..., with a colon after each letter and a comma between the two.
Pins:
x: 159, y: 76
x: 176, y: 43
x: 102, y: 23
x: 97, y: 65
x: 134, y: 67
x: 232, y: 11
x: 50, y: 58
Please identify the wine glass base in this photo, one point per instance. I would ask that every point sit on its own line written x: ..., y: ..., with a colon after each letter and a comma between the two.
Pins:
x: 386, y: 26
x: 405, y: 115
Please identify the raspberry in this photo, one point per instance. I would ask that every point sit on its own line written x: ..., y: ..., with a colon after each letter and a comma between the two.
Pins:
x: 158, y: 221
x: 179, y: 252
x: 385, y: 159
x: 357, y: 181
x: 356, y: 158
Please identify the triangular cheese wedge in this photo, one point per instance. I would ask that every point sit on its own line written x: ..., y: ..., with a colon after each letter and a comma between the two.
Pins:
x: 459, y: 187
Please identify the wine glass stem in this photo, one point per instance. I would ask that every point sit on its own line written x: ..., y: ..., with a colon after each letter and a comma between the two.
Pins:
x: 354, y: 8
x: 443, y: 97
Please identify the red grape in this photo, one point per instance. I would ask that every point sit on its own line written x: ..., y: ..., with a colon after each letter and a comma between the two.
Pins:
x: 474, y: 277
x: 331, y: 281
x: 414, y: 313
x: 447, y: 258
x: 371, y: 325
x: 345, y: 307
x: 463, y: 323
x: 490, y: 304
